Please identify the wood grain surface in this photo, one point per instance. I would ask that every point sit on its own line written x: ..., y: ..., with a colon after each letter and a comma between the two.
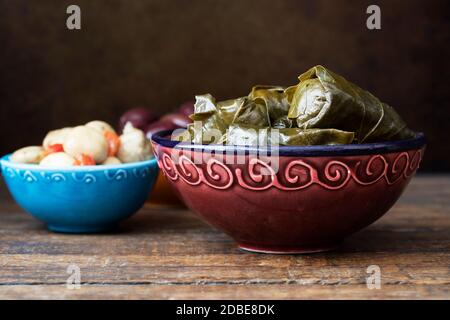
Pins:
x: 167, y: 253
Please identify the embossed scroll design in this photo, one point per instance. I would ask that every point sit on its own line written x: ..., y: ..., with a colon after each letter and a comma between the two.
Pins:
x: 78, y: 177
x: 297, y: 174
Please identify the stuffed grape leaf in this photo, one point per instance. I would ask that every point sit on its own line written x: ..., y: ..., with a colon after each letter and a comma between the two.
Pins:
x: 322, y: 109
x: 255, y: 136
x: 324, y: 99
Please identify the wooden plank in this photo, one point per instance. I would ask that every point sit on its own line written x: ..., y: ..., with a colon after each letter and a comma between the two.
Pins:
x: 224, y: 292
x: 335, y: 269
x: 169, y: 253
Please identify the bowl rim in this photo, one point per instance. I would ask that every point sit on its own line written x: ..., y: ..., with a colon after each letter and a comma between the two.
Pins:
x: 418, y: 142
x: 6, y: 163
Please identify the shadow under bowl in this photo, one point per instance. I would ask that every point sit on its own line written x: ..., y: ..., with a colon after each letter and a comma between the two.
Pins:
x: 290, y: 199
x: 80, y: 199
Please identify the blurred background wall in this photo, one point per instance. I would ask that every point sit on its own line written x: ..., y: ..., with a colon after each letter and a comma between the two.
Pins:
x: 159, y: 53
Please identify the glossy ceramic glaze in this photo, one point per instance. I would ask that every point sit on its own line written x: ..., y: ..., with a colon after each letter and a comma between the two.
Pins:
x: 80, y: 199
x: 318, y: 196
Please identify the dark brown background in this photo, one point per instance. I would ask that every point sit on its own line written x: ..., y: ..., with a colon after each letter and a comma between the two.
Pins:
x: 160, y: 53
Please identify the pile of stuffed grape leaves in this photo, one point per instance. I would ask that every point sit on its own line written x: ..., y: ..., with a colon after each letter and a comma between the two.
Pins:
x: 322, y: 109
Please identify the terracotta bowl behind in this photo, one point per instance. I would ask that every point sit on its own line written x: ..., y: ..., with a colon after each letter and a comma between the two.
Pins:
x: 318, y: 196
x: 163, y: 194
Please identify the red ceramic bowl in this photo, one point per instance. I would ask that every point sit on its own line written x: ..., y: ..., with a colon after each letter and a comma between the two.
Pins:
x: 318, y: 195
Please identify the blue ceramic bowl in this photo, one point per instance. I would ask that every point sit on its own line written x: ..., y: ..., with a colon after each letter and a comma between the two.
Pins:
x: 80, y: 199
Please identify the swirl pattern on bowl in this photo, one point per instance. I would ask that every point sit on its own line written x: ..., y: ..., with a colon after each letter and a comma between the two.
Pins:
x: 334, y: 171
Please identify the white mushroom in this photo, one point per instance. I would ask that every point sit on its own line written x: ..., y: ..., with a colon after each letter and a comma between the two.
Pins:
x: 58, y: 159
x: 32, y: 154
x: 55, y: 137
x: 134, y: 146
x: 88, y: 141
x: 111, y: 161
x: 101, y: 126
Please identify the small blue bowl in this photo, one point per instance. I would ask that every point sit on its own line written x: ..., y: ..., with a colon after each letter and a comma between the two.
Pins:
x: 80, y: 199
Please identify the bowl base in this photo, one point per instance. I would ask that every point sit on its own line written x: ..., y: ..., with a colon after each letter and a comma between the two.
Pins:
x: 286, y: 249
x: 81, y: 229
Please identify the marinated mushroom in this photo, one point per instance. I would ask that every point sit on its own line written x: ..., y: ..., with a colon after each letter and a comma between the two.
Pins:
x: 87, y: 145
x: 55, y: 137
x: 111, y: 161
x: 109, y: 133
x: 59, y: 159
x: 101, y: 126
x: 31, y: 155
x: 134, y: 145
x: 83, y: 140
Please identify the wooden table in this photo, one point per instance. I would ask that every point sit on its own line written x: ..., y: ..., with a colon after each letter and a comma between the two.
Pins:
x: 170, y: 254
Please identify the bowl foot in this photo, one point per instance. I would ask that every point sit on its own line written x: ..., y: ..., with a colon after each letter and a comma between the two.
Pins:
x: 81, y: 229
x: 285, y: 249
